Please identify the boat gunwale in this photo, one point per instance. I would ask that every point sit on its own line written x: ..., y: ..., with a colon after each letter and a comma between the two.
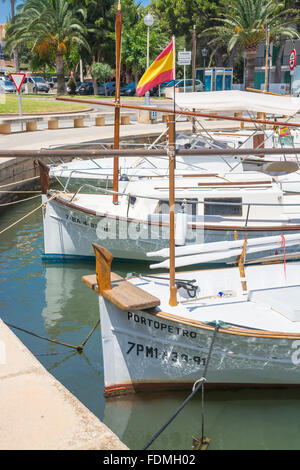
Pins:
x: 192, y: 225
x: 233, y: 330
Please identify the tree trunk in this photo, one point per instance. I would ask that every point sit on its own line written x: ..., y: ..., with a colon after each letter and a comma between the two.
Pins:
x: 250, y: 67
x: 95, y: 86
x: 15, y: 51
x: 231, y: 56
x: 278, y: 62
x: 60, y: 73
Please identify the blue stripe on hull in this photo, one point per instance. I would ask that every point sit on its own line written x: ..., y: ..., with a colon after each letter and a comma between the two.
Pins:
x: 59, y: 258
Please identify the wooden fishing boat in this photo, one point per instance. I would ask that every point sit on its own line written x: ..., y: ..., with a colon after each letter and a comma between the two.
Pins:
x: 150, y: 345
x: 209, y: 208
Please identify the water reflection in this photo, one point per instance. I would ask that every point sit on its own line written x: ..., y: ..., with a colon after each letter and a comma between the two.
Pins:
x: 51, y: 300
x: 244, y: 419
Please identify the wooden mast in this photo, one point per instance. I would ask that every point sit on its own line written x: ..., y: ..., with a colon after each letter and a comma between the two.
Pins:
x: 171, y: 134
x: 117, y: 102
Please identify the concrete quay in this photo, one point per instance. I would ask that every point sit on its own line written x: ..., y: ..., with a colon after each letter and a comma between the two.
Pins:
x: 39, y: 413
x: 16, y: 169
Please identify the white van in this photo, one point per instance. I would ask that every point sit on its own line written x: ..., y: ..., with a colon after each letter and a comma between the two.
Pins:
x: 295, y: 81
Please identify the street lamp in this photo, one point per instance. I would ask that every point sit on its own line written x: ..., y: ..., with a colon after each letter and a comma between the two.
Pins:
x: 148, y: 20
x: 204, y: 54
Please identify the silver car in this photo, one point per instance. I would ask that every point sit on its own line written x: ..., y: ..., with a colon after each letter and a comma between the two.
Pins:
x: 189, y: 85
x: 6, y: 86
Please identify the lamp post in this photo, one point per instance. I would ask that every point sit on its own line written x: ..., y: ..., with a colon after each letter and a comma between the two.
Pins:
x: 204, y: 54
x: 148, y: 20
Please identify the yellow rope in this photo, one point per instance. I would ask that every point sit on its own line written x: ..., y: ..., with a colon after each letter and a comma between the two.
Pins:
x: 20, y: 200
x: 27, y: 215
x: 20, y: 192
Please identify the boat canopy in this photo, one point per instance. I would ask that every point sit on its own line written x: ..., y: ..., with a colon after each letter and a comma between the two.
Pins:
x: 238, y: 101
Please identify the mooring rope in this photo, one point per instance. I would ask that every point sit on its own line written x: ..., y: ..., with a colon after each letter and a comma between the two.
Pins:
x: 79, y: 347
x: 19, y: 192
x: 199, y: 383
x: 17, y: 182
x: 27, y: 215
x: 20, y: 200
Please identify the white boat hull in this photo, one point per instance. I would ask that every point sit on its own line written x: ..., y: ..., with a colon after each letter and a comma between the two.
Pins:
x: 143, y: 351
x: 69, y: 234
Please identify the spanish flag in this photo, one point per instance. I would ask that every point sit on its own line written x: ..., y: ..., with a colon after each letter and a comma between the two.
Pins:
x: 284, y: 131
x: 162, y: 70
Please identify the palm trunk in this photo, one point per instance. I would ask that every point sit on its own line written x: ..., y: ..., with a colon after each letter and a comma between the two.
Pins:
x: 95, y: 86
x: 15, y: 51
x: 60, y: 73
x: 278, y: 62
x: 250, y: 67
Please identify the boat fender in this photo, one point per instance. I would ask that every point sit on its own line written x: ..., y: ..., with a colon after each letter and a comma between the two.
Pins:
x: 181, y: 228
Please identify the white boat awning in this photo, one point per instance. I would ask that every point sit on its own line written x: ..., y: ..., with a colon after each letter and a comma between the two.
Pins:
x: 238, y: 101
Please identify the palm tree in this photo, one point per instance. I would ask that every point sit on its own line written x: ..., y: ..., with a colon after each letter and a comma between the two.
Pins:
x: 52, y: 25
x: 244, y: 25
x: 12, y: 13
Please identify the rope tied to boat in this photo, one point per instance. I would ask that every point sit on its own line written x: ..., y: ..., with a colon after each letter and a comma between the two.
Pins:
x: 199, y: 383
x: 187, y: 284
x: 78, y: 348
x: 43, y: 205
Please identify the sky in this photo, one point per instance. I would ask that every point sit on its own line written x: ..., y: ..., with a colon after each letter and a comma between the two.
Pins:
x: 5, y: 9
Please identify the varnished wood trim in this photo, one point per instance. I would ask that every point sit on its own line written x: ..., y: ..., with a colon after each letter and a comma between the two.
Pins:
x: 231, y: 331
x: 103, y: 263
x: 136, y: 387
x: 44, y: 176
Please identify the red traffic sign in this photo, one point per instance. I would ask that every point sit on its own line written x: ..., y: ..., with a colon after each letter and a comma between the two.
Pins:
x: 18, y: 79
x: 292, y: 59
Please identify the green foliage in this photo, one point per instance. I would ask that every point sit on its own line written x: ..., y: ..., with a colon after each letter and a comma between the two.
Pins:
x: 48, y: 26
x: 134, y: 42
x: 42, y: 30
x: 72, y: 85
x: 244, y: 23
x: 101, y: 72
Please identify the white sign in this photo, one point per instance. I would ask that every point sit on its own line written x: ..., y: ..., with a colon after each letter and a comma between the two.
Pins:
x: 18, y: 79
x: 184, y: 58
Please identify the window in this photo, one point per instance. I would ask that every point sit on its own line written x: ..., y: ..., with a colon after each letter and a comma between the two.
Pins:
x: 233, y: 208
x: 190, y: 207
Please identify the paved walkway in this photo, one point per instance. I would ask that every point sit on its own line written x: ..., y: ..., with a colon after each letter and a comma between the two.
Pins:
x: 45, y: 138
x: 37, y: 412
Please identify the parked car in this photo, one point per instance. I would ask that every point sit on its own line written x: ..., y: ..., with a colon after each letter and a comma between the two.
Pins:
x: 53, y: 82
x: 40, y: 84
x: 7, y: 86
x: 85, y: 88
x: 77, y: 86
x: 107, y: 88
x: 128, y: 90
x: 164, y: 85
x: 188, y: 85
x: 154, y: 91
x: 296, y: 88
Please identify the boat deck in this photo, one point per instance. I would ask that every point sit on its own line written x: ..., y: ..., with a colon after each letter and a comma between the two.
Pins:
x: 267, y: 306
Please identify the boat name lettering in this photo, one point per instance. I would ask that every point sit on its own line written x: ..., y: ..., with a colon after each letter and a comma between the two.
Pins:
x: 161, y: 326
x: 78, y: 221
x: 154, y: 353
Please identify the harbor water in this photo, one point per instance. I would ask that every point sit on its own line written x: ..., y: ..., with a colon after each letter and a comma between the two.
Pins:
x: 50, y: 300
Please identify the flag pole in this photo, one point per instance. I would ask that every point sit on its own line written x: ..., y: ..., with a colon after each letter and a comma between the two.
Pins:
x: 172, y: 156
x: 117, y: 102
